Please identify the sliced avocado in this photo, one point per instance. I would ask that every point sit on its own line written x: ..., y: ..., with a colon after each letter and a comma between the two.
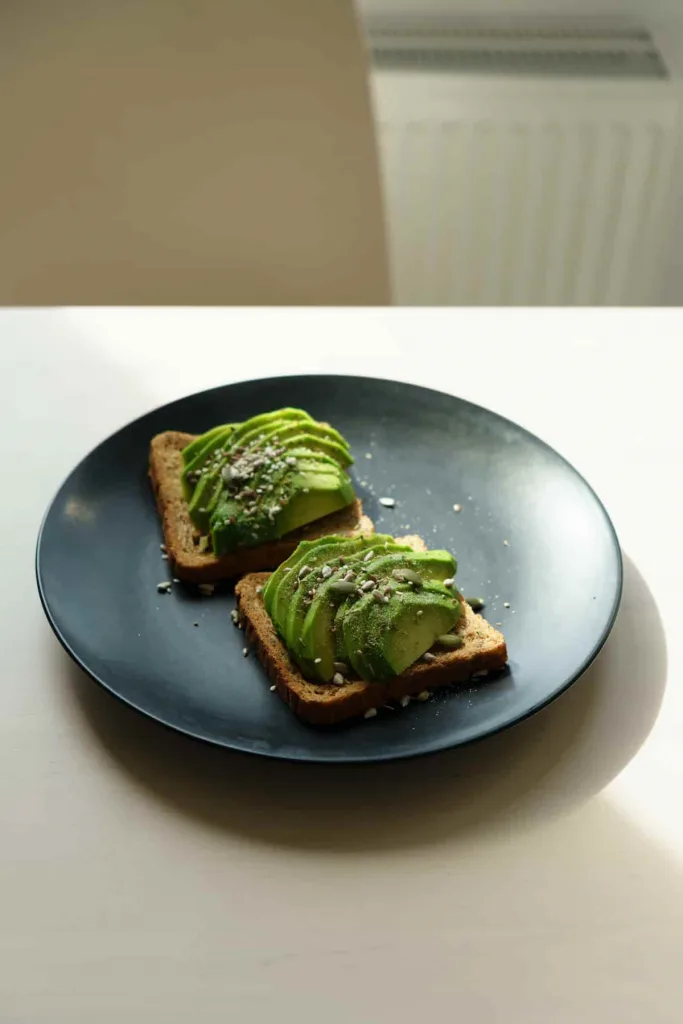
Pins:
x: 429, y: 565
x: 287, y: 432
x: 320, y: 445
x: 294, y: 562
x: 352, y: 551
x: 256, y: 425
x: 203, y: 458
x: 314, y: 494
x: 314, y: 487
x: 195, y: 447
x: 315, y: 637
x: 392, y: 636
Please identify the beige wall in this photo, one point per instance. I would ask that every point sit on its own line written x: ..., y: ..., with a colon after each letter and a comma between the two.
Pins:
x: 186, y: 151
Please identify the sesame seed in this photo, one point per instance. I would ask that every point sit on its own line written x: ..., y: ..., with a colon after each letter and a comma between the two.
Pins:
x: 165, y: 557
x: 388, y: 502
x: 480, y: 674
x: 370, y: 713
x: 162, y: 547
x: 506, y: 543
x: 259, y: 589
x: 506, y: 604
x: 457, y: 508
x: 195, y: 623
x: 164, y: 587
x: 338, y: 679
x: 424, y: 695
x: 245, y: 652
x: 273, y: 689
x: 448, y: 582
x: 368, y: 455
x: 317, y: 661
x: 420, y: 612
x: 404, y: 701
x: 428, y: 656
x: 368, y: 556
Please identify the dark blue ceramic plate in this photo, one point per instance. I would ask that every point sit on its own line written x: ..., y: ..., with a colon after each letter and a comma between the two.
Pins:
x: 531, y: 535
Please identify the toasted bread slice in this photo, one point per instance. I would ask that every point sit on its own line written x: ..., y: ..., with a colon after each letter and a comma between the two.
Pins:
x: 483, y: 650
x: 188, y: 561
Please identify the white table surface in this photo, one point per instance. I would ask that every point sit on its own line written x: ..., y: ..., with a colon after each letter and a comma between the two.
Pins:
x: 535, y: 878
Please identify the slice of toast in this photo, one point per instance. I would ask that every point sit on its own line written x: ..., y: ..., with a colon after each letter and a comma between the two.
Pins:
x: 183, y: 542
x: 483, y: 650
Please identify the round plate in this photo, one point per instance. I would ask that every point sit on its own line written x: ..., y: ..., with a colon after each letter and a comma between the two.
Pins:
x: 531, y: 534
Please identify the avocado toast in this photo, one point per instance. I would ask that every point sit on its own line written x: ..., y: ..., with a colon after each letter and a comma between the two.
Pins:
x: 242, y: 496
x: 346, y: 626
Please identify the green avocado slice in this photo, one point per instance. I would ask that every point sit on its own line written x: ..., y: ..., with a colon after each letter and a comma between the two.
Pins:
x: 283, y: 572
x: 317, y: 644
x: 195, y: 447
x: 341, y: 559
x: 309, y: 490
x: 392, y: 636
x: 252, y: 428
x: 203, y: 454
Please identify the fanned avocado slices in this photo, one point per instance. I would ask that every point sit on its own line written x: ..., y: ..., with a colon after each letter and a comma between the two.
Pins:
x: 367, y: 607
x: 251, y: 482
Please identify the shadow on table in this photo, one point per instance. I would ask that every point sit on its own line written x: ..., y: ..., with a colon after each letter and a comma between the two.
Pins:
x: 545, y: 766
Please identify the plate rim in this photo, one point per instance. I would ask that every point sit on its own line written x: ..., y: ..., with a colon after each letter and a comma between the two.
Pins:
x: 366, y: 758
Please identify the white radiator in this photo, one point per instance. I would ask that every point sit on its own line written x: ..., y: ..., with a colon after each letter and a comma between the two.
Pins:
x: 514, y: 189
